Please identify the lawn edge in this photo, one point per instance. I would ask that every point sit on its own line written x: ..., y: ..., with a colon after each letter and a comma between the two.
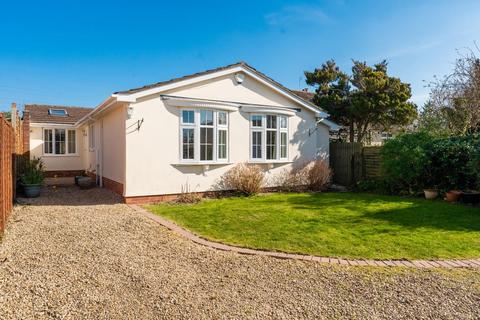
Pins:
x: 169, y: 224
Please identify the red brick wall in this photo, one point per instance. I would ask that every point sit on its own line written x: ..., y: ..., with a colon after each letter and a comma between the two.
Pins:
x: 109, y: 184
x: 63, y: 173
x: 26, y: 133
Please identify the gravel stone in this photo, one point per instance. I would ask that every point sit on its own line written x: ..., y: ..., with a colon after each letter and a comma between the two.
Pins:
x: 81, y: 254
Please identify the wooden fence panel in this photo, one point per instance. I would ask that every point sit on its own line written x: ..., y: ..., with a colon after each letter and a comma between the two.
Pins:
x: 351, y: 162
x: 371, y: 162
x: 7, y: 180
x: 344, y: 159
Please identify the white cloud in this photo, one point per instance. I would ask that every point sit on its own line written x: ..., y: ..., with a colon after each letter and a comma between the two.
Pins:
x: 297, y: 14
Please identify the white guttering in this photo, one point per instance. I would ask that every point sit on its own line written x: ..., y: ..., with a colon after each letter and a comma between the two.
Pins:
x: 100, y: 108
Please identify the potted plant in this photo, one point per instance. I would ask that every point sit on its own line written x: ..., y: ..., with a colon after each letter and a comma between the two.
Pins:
x: 470, y: 196
x: 32, y: 178
x: 430, y: 194
x: 453, y: 195
x: 84, y: 174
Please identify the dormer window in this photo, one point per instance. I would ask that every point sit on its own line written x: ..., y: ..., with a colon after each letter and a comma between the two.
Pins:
x: 58, y: 112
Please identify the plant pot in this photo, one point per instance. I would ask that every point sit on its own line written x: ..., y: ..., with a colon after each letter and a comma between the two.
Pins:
x: 453, y: 195
x: 76, y: 179
x: 85, y: 182
x: 471, y: 197
x: 430, y: 194
x: 32, y: 190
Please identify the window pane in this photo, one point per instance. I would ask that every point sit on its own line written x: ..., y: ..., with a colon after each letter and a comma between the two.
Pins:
x: 271, y: 144
x: 222, y: 118
x: 256, y: 145
x: 222, y: 144
x: 271, y: 122
x: 188, y: 143
x: 256, y: 121
x: 206, y: 117
x: 48, y: 141
x: 283, y: 122
x: 71, y: 141
x: 283, y: 145
x: 206, y: 143
x: 59, y: 141
x: 188, y: 116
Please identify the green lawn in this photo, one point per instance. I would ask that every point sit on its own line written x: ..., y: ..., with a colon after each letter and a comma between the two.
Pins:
x: 348, y: 225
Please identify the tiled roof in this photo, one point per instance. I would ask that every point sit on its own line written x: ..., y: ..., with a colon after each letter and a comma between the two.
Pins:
x: 40, y: 113
x: 305, y: 95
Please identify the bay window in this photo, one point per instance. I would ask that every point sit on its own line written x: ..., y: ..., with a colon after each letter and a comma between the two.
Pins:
x: 268, y: 137
x: 204, y: 135
x: 59, y: 141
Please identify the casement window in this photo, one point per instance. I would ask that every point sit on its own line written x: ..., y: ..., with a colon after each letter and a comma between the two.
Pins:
x: 203, y: 136
x: 268, y: 137
x: 91, y: 137
x: 59, y: 141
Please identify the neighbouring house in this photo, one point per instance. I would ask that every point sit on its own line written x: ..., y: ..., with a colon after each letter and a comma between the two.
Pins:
x: 146, y: 143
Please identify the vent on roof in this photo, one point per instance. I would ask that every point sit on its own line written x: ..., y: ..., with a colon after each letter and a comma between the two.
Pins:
x: 58, y: 112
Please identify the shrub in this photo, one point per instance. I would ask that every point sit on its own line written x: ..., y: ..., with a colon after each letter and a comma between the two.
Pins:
x: 293, y: 180
x: 318, y: 175
x: 371, y: 185
x: 451, y: 163
x: 244, y: 178
x: 34, y: 172
x: 414, y: 161
x: 403, y: 162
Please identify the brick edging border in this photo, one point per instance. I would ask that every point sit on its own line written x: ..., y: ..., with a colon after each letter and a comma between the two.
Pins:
x: 470, y: 263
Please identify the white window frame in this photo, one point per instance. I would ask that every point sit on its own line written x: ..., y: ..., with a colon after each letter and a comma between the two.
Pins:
x: 263, y: 129
x: 196, y: 126
x: 53, y: 154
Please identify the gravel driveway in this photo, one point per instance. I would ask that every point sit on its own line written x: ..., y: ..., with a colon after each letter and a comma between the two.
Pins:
x: 82, y: 255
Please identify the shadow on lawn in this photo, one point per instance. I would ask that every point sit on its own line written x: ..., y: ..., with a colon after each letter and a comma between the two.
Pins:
x: 406, y: 212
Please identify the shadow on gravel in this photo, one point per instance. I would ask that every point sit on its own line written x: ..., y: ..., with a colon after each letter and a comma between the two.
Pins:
x: 71, y: 196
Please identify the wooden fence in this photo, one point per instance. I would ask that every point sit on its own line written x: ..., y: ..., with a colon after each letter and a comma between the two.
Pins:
x: 352, y: 162
x: 7, y: 179
x: 14, y: 145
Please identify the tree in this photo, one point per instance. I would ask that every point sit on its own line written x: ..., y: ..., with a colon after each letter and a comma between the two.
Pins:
x: 456, y: 97
x: 367, y: 98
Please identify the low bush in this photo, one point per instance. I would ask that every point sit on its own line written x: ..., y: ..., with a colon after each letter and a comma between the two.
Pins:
x: 314, y: 176
x: 318, y: 175
x: 187, y: 196
x: 244, y: 178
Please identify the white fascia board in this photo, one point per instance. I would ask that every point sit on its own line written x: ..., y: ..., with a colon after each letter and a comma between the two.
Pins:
x: 101, y: 107
x: 134, y: 96
x: 332, y: 125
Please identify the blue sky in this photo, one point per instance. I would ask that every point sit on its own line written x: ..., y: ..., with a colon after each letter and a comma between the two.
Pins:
x: 78, y: 52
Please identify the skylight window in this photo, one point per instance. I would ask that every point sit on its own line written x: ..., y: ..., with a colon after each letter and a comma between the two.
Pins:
x: 58, y: 112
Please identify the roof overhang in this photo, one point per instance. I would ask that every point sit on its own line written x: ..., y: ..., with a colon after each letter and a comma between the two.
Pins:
x: 132, y: 97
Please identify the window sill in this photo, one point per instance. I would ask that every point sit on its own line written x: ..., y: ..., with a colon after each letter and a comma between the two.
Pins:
x: 216, y: 163
x: 61, y: 155
x: 269, y: 161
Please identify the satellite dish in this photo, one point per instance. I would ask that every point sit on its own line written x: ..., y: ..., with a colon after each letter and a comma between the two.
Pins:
x: 239, y: 77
